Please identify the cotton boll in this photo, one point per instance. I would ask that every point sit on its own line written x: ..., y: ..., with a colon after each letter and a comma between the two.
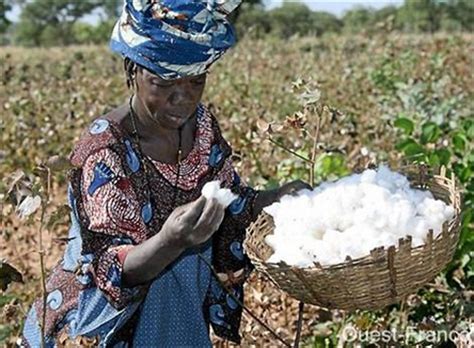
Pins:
x: 419, y: 228
x: 350, y: 180
x: 350, y: 246
x: 272, y: 241
x: 352, y: 216
x: 400, y: 215
x: 276, y: 257
x: 374, y: 193
x: 387, y: 240
x: 320, y: 251
x: 333, y: 239
x: 225, y: 196
x: 210, y: 189
x: 368, y: 176
x: 286, y: 199
x: 417, y: 196
x: 213, y: 189
x: 380, y: 221
x: 292, y: 256
x: 435, y: 223
x: 304, y: 193
x: 273, y: 209
x: 416, y: 242
x: 430, y: 206
x: 316, y: 229
x: 346, y: 220
x: 449, y: 212
x: 351, y: 198
x: 390, y: 180
x: 363, y: 237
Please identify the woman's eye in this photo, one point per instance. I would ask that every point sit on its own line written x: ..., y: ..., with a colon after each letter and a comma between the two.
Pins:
x: 198, y: 82
x: 158, y: 84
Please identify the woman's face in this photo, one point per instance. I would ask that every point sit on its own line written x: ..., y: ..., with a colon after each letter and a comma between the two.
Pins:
x: 171, y: 103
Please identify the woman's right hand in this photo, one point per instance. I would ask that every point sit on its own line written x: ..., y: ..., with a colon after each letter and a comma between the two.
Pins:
x: 188, y: 225
x: 195, y: 222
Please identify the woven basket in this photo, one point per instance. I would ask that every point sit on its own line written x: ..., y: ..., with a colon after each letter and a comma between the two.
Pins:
x: 382, y: 278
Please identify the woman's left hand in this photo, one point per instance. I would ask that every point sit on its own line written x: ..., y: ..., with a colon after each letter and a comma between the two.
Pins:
x: 291, y: 188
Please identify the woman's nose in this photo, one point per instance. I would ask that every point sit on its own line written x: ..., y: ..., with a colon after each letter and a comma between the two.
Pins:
x: 179, y: 96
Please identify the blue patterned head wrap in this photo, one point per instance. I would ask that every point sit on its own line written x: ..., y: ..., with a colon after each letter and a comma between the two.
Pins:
x: 174, y: 38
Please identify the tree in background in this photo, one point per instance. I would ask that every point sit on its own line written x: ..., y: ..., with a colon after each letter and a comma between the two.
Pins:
x: 325, y: 22
x: 419, y: 16
x: 110, y: 11
x: 457, y: 15
x: 297, y: 18
x: 57, y: 22
x: 4, y: 22
x: 432, y: 15
x: 112, y: 8
x: 357, y: 20
x: 49, y: 22
x: 291, y: 18
x: 252, y: 20
x: 362, y: 19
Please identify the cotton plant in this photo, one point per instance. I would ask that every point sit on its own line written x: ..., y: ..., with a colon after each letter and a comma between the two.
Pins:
x: 352, y: 216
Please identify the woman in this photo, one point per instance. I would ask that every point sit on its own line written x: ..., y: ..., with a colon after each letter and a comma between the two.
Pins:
x: 136, y: 268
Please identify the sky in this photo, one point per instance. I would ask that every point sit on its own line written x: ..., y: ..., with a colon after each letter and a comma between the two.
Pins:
x: 333, y: 6
x: 339, y: 7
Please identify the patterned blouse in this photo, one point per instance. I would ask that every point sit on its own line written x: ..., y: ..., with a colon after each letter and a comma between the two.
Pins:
x: 112, y: 212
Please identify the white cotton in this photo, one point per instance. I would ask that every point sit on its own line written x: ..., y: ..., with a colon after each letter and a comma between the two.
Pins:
x: 210, y: 189
x: 213, y: 189
x: 352, y: 216
x: 28, y: 206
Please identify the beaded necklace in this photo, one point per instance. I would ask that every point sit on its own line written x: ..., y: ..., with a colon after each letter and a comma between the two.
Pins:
x: 136, y: 136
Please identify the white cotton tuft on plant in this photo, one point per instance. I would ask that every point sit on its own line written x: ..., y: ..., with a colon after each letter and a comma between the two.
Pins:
x: 213, y: 189
x: 352, y: 216
x: 29, y: 206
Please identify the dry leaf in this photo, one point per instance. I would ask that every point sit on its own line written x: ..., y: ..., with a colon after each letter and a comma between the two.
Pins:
x: 8, y: 274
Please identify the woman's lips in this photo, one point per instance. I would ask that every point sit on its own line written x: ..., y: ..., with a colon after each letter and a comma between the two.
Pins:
x: 175, y: 117
x: 178, y: 115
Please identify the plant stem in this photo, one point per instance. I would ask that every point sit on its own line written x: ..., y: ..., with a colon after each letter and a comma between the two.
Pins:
x: 314, y: 150
x: 230, y: 293
x: 44, y: 205
x: 277, y: 143
x: 43, y: 278
x: 299, y: 324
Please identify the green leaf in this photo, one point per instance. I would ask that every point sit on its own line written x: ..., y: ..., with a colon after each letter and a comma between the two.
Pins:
x: 331, y: 165
x: 465, y: 174
x: 430, y: 132
x: 404, y: 124
x: 414, y: 150
x: 444, y: 156
x: 404, y: 143
x: 433, y: 159
x: 469, y: 126
x: 459, y: 141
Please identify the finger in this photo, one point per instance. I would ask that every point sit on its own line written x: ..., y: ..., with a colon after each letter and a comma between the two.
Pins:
x: 297, y: 186
x: 218, y: 217
x: 305, y: 186
x: 194, y: 210
x: 207, y: 214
